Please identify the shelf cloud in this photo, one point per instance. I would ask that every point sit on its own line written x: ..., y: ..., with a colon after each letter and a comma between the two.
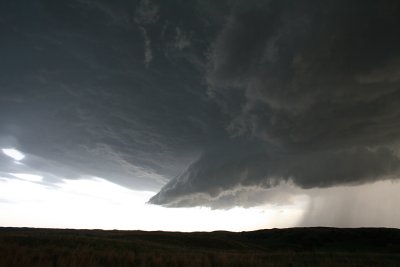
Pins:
x: 204, y: 103
x: 313, y: 85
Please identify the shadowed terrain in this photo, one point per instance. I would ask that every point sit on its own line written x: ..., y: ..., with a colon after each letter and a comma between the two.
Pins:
x: 275, y: 247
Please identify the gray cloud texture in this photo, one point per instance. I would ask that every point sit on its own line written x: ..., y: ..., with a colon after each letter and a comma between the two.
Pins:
x: 314, y: 84
x: 76, y: 94
x: 217, y: 102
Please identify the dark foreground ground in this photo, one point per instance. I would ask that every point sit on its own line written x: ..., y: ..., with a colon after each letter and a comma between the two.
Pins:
x: 276, y: 247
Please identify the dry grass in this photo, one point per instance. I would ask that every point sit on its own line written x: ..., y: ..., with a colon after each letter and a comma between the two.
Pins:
x: 66, y: 248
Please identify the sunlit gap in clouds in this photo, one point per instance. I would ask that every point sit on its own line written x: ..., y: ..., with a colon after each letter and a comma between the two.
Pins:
x: 13, y: 153
x: 93, y: 202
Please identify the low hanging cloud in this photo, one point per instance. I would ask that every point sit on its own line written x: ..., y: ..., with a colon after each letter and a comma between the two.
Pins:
x: 311, y: 92
x: 241, y: 173
x: 220, y: 102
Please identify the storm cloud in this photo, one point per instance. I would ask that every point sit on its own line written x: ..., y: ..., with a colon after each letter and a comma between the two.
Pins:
x: 314, y: 88
x: 78, y: 91
x: 210, y: 103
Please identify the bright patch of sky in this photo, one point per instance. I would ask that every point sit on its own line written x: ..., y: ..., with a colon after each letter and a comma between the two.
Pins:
x: 96, y: 203
x: 13, y: 153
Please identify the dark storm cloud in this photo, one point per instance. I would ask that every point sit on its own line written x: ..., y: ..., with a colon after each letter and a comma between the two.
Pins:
x: 78, y: 100
x: 220, y: 101
x: 231, y: 171
x: 314, y: 84
x: 312, y: 69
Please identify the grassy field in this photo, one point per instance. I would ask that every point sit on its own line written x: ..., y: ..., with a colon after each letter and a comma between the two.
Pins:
x: 275, y: 247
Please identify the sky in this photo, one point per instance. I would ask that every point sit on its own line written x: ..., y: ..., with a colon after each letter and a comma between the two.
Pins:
x: 199, y: 115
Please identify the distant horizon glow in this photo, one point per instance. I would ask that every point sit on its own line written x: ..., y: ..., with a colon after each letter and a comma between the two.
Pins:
x: 94, y: 203
x: 13, y: 153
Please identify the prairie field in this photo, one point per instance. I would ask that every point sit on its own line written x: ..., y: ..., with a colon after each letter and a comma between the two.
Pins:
x: 275, y: 247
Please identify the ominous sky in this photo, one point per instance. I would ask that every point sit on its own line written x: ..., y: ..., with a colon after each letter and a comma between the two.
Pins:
x: 223, y: 107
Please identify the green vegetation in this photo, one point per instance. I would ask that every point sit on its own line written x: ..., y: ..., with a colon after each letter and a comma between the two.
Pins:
x: 276, y: 247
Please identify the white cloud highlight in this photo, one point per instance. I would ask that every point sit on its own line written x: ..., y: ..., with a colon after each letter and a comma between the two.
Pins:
x: 13, y: 153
